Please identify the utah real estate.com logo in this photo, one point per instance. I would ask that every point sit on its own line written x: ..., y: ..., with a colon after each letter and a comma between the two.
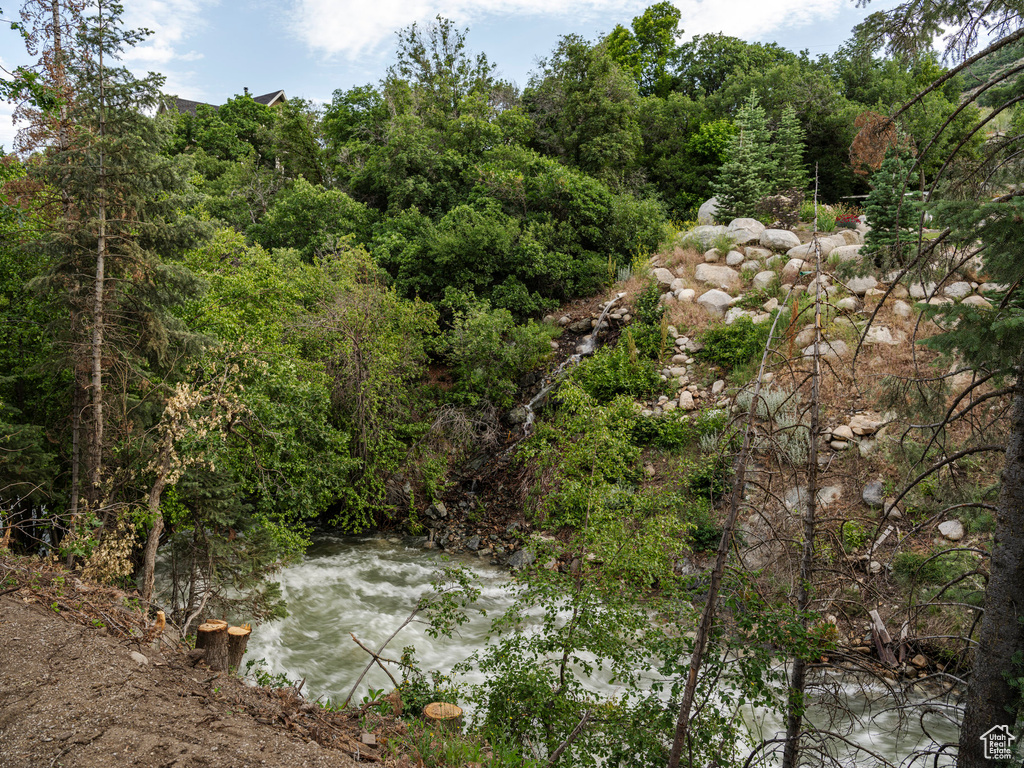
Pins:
x: 997, y: 742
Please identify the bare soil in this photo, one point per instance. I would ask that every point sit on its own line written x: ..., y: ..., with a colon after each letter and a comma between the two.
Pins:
x: 76, y: 694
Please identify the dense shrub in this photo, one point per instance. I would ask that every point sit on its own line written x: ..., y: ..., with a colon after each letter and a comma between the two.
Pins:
x: 734, y: 346
x: 309, y: 218
x: 489, y: 351
x: 617, y: 371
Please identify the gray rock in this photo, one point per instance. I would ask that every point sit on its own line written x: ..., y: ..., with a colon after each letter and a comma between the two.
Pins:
x: 758, y: 253
x: 957, y: 290
x: 921, y: 290
x: 900, y: 308
x: 849, y: 304
x: 473, y: 544
x: 706, y: 235
x: 762, y: 280
x: 712, y: 256
x: 521, y: 558
x: 734, y: 258
x: 725, y: 278
x: 580, y: 326
x: 879, y: 334
x: 846, y: 253
x: 873, y: 494
x: 685, y: 295
x: 791, y: 272
x: 750, y: 266
x: 518, y: 415
x: 952, y: 530
x: 745, y: 231
x: 977, y: 301
x: 829, y: 349
x: 715, y: 302
x: 706, y: 213
x: 861, y: 285
x: 664, y: 278
x: 734, y: 314
x: 138, y: 657
x: 686, y: 401
x: 779, y: 239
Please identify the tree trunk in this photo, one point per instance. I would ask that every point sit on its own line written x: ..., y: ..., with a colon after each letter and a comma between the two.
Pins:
x: 238, y: 639
x: 212, y: 637
x: 444, y: 715
x: 991, y: 700
x: 798, y: 680
x: 96, y: 443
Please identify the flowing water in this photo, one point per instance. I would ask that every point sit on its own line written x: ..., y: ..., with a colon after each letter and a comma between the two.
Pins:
x: 368, y: 586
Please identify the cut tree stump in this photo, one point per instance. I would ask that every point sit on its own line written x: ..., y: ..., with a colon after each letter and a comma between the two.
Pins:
x: 444, y: 715
x: 238, y: 639
x: 212, y: 637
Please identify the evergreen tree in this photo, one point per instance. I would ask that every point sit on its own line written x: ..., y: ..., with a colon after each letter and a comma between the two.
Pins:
x: 108, y: 283
x: 788, y: 152
x: 748, y: 173
x: 892, y: 212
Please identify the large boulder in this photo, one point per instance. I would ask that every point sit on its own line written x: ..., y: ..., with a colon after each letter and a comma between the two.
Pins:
x: 791, y: 272
x: 762, y: 280
x: 664, y: 277
x: 779, y: 239
x: 745, y: 231
x: 846, y: 252
x: 715, y: 302
x: 922, y: 290
x: 829, y: 349
x: 706, y: 213
x: 725, y: 278
x: 705, y: 235
x: 958, y: 290
x: 861, y: 285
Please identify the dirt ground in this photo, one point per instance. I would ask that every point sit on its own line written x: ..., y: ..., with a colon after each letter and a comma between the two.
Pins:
x: 74, y: 694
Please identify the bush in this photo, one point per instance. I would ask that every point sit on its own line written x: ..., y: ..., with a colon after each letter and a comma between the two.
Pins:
x: 489, y: 351
x: 734, y: 346
x: 617, y: 371
x: 710, y: 480
x: 648, y: 312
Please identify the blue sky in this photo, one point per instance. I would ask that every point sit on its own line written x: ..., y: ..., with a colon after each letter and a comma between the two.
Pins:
x: 210, y: 50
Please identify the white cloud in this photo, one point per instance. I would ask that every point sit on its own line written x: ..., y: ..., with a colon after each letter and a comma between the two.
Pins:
x: 353, y: 29
x: 755, y: 19
x: 172, y: 23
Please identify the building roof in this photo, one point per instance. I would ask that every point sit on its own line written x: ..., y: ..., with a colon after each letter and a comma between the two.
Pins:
x: 270, y: 99
x: 187, y: 105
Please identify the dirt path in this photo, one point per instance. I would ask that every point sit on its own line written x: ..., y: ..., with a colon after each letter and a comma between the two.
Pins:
x: 74, y: 695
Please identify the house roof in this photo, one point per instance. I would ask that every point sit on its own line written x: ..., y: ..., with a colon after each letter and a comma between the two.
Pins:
x: 270, y: 99
x: 187, y: 105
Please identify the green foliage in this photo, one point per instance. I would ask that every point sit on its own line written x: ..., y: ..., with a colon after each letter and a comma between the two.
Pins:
x: 615, y: 371
x: 892, y: 212
x: 736, y: 345
x: 489, y: 352
x: 646, y: 50
x: 310, y: 219
x: 787, y: 151
x: 257, y: 670
x: 648, y: 317
x: 748, y: 172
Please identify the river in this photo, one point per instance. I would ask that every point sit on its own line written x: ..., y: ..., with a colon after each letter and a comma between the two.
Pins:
x: 368, y: 586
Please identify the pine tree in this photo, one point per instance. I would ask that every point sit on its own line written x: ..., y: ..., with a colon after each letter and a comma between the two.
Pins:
x: 120, y: 214
x: 748, y: 173
x: 788, y: 153
x: 892, y: 212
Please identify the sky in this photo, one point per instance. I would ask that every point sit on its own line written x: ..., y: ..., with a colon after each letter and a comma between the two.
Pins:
x: 210, y: 50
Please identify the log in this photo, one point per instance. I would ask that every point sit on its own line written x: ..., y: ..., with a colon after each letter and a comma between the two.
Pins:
x: 212, y: 638
x: 238, y: 639
x: 444, y: 715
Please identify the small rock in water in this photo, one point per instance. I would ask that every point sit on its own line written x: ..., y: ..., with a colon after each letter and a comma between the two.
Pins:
x: 521, y: 558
